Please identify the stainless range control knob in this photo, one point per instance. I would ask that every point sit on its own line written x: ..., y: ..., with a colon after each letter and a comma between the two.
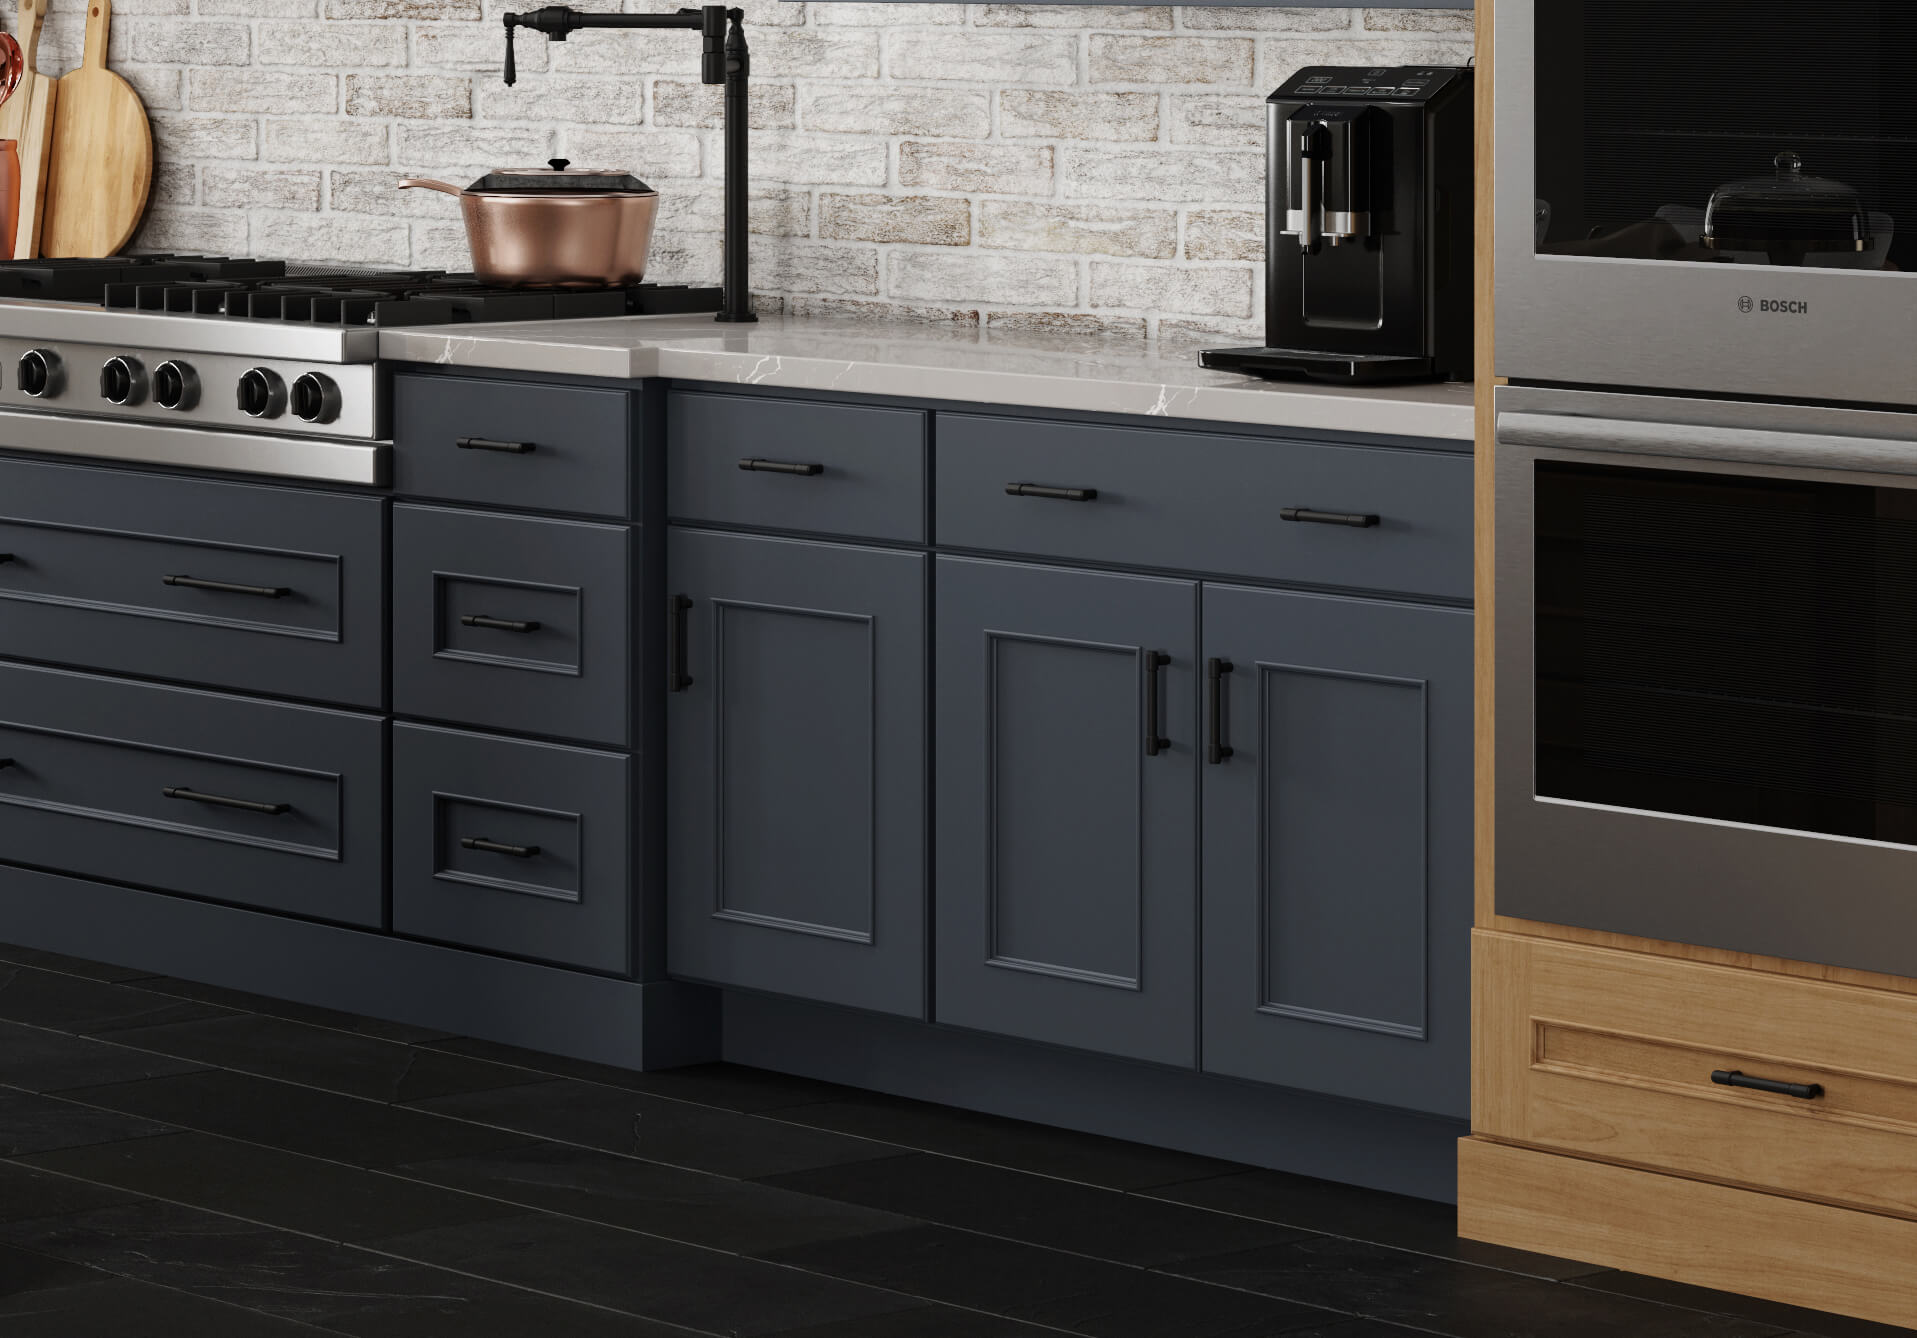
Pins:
x: 176, y: 386
x: 122, y: 381
x: 262, y: 393
x: 41, y: 374
x: 315, y: 398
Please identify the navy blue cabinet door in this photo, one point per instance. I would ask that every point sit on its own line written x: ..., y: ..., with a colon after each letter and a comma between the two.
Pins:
x: 1067, y: 824
x: 796, y: 748
x: 1337, y: 849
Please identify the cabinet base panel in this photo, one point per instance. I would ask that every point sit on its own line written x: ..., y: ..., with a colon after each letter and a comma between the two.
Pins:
x: 652, y: 1025
x: 1400, y: 1151
x: 1693, y: 1231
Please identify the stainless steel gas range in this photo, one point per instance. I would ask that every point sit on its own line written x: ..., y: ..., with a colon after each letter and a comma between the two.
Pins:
x: 237, y: 365
x: 1706, y: 514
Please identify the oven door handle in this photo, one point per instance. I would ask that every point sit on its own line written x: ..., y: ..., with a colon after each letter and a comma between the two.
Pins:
x: 1756, y: 446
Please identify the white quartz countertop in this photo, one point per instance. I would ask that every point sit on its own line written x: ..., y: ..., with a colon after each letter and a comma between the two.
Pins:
x: 1037, y: 369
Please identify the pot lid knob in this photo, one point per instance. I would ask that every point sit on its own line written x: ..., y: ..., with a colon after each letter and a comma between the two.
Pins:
x: 1788, y: 164
x: 560, y: 164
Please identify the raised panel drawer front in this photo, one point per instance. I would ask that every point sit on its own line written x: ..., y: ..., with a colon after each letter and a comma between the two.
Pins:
x: 1359, y: 517
x: 1754, y: 1079
x: 509, y: 443
x: 1067, y: 829
x: 796, y: 465
x: 516, y: 847
x: 278, y: 590
x: 1337, y: 855
x: 259, y: 803
x: 796, y: 747
x: 513, y: 622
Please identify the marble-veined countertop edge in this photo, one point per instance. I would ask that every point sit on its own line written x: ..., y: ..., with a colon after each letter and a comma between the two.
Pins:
x: 967, y: 364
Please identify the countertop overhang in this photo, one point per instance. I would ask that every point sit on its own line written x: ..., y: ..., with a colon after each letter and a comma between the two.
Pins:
x: 1035, y: 369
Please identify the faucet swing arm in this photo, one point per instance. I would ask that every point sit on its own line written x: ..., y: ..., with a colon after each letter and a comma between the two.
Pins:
x: 725, y: 60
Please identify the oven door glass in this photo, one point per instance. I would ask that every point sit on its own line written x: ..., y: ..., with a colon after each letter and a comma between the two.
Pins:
x: 1728, y: 647
x: 1746, y: 132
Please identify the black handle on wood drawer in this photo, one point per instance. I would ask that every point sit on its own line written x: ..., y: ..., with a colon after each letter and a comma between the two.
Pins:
x: 1307, y: 516
x: 498, y: 624
x: 1155, y: 741
x: 229, y: 588
x: 1216, y: 749
x: 502, y: 447
x: 221, y: 801
x: 677, y: 678
x: 753, y: 465
x: 1803, y: 1091
x: 1054, y: 494
x: 497, y: 847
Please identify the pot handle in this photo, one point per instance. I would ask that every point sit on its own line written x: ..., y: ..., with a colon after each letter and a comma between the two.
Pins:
x: 407, y: 183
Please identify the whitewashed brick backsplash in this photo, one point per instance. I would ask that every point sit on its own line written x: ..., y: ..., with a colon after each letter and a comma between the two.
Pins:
x: 1083, y: 168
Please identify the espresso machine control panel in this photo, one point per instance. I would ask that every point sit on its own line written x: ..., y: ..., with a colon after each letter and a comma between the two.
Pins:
x: 1412, y: 83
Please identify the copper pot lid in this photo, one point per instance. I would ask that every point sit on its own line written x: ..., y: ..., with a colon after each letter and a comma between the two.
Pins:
x: 1788, y: 209
x: 559, y: 177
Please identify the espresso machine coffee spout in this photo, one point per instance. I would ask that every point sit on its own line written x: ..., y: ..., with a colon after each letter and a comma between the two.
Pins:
x: 1328, y: 165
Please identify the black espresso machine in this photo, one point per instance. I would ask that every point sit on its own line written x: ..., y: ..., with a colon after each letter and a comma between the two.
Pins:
x: 1368, y: 211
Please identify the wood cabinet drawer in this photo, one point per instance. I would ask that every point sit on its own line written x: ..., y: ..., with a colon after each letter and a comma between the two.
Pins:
x: 521, y: 848
x: 1612, y: 1054
x: 512, y: 622
x: 1198, y: 502
x: 275, y: 590
x: 796, y: 465
x: 253, y: 802
x: 550, y: 448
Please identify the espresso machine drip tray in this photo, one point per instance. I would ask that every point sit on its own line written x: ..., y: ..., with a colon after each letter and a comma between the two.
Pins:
x: 1290, y: 363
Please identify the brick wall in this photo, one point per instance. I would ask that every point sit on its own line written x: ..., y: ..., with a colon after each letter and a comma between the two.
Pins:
x: 1095, y: 168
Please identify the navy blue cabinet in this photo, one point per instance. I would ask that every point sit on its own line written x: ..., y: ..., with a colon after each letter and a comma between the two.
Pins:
x: 1336, y: 895
x: 797, y: 768
x: 1067, y: 827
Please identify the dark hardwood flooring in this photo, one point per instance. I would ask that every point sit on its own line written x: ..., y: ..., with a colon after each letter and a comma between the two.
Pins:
x: 182, y: 1160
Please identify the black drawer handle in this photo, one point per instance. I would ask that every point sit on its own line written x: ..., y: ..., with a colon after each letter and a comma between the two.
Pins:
x: 500, y: 447
x: 5, y: 558
x: 1307, y: 516
x: 1155, y: 740
x: 5, y: 762
x: 1052, y: 494
x: 1216, y: 749
x: 756, y: 466
x: 221, y: 801
x: 229, y: 588
x: 1803, y: 1091
x: 499, y: 624
x: 497, y: 847
x: 678, y: 679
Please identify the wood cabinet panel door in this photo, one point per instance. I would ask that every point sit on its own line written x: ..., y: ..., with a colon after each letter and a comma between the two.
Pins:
x: 1337, y: 856
x: 1067, y: 823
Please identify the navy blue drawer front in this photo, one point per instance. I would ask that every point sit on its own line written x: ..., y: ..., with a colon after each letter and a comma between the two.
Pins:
x: 549, y: 448
x: 512, y: 622
x: 259, y: 803
x: 796, y: 465
x: 516, y: 847
x: 276, y: 590
x: 1362, y: 518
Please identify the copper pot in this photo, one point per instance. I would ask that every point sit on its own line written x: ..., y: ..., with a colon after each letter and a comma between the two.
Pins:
x: 555, y: 226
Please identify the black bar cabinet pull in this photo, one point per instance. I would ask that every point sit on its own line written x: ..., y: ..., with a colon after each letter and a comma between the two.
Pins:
x: 221, y: 801
x: 5, y: 762
x: 488, y: 444
x: 498, y: 624
x: 1054, y: 494
x: 497, y: 847
x: 1155, y: 741
x: 1803, y: 1091
x: 5, y: 558
x: 1216, y: 749
x: 752, y: 465
x: 229, y: 588
x: 1307, y: 516
x: 677, y: 679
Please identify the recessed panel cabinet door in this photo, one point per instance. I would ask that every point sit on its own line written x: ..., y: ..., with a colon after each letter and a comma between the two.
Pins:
x: 1067, y: 857
x: 1337, y: 859
x: 796, y: 751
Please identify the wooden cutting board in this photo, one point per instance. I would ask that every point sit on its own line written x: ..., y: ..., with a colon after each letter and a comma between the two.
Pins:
x: 102, y: 163
x: 27, y: 116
